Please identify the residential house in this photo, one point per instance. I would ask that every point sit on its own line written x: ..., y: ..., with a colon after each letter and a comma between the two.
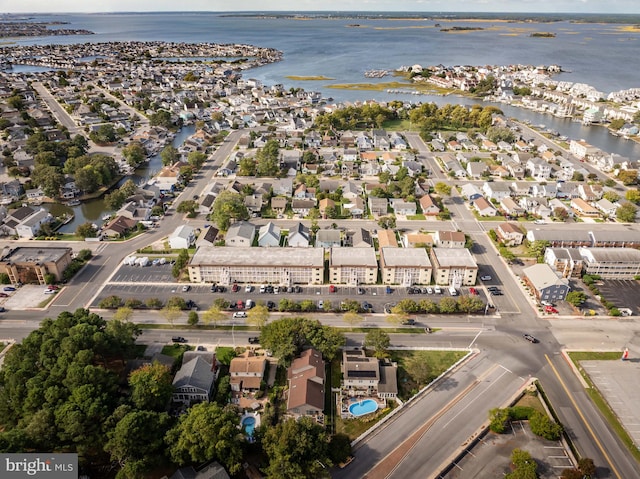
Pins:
x: 328, y: 238
x: 356, y: 207
x: 278, y: 204
x: 247, y: 373
x: 183, y: 237
x: 118, y: 227
x: 302, y: 207
x: 510, y: 207
x: 590, y: 192
x: 475, y: 169
x: 212, y: 471
x: 545, y: 283
x: 483, y: 207
x: 253, y: 203
x: 496, y: 190
x: 240, y: 234
x: 582, y: 208
x: 207, y: 237
x: 299, y: 236
x: 538, y: 168
x: 582, y: 149
x: 416, y: 240
x: 30, y: 226
x: 449, y: 239
x: 470, y: 191
x: 364, y: 376
x: 169, y: 176
x: 360, y: 238
x: 615, y: 238
x: 269, y: 235
x: 387, y: 239
x: 325, y: 206
x: 566, y: 261
x: 306, y: 376
x: 509, y: 234
x: 428, y: 206
x: 378, y: 206
x: 402, y: 207
x: 607, y: 208
x: 194, y: 381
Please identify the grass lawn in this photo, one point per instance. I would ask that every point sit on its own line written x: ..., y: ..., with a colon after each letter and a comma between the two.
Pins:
x: 416, y: 217
x: 532, y: 401
x: 597, y: 398
x: 2, y: 346
x: 399, y: 125
x: 176, y: 351
x: 416, y: 369
x: 355, y: 427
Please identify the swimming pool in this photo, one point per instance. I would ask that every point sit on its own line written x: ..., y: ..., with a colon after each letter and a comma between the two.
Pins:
x: 249, y: 424
x: 361, y: 408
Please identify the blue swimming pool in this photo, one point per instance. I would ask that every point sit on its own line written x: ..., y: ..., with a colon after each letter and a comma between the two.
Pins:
x: 249, y: 424
x: 361, y: 408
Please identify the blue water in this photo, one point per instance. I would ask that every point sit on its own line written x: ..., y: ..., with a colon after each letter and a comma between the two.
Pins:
x: 249, y: 425
x: 361, y: 408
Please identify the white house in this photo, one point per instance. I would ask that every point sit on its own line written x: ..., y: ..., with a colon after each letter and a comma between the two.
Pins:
x: 183, y: 237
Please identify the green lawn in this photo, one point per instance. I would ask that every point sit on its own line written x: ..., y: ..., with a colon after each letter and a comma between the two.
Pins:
x: 176, y: 351
x: 600, y: 401
x: 416, y: 217
x: 416, y: 369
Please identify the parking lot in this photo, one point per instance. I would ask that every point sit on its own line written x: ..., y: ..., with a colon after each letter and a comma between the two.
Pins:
x: 624, y: 294
x: 491, y: 456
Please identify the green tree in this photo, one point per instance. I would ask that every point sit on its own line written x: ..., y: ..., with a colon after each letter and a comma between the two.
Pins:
x: 207, y: 432
x: 379, y: 340
x: 115, y: 199
x: 123, y: 313
x: 287, y: 337
x: 561, y: 213
x: 448, y: 305
x: 213, y: 315
x: 524, y: 466
x: 405, y: 306
x: 151, y: 387
x: 193, y: 318
x: 442, y: 189
x: 134, y: 153
x: 161, y: 118
x: 470, y: 304
x: 136, y: 443
x: 586, y: 466
x: 258, y: 316
x: 537, y: 248
x: 228, y: 206
x: 289, y: 456
x: 171, y: 313
x: 86, y: 230
x: 428, y: 306
x: 576, y: 298
x: 196, y: 159
x: 190, y: 207
x: 387, y: 222
x: 631, y: 195
x: 571, y: 473
x: 267, y: 159
x: 498, y: 420
x: 169, y: 155
x: 49, y: 178
x: 627, y: 213
x: 628, y: 177
x: 611, y: 196
x: 541, y: 425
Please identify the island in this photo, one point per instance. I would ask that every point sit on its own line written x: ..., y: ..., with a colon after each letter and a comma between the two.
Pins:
x: 37, y: 29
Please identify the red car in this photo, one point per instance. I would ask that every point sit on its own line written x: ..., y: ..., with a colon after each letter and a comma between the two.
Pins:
x: 235, y: 287
x: 332, y: 289
x: 550, y: 309
x: 53, y: 287
x: 473, y: 291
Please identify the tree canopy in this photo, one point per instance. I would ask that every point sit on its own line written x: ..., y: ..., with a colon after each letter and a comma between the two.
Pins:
x: 228, y: 206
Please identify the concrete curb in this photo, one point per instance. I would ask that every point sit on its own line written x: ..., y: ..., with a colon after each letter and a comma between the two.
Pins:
x: 565, y: 355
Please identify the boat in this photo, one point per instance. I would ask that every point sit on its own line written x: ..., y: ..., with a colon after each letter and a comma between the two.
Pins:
x: 74, y: 203
x: 106, y: 217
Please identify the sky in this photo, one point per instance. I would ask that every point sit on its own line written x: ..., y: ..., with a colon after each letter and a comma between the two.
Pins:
x: 539, y: 6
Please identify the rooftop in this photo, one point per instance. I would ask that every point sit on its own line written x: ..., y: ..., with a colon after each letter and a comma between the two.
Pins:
x: 353, y: 257
x: 24, y: 254
x: 450, y: 257
x: 415, y: 257
x: 229, y: 256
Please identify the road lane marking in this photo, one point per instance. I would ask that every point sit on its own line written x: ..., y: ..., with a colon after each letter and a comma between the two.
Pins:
x: 584, y: 419
x: 474, y: 340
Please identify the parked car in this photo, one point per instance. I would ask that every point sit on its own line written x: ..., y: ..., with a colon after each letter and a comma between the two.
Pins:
x: 367, y: 307
x: 53, y: 286
x: 320, y: 304
x: 332, y: 288
x: 360, y: 290
x: 235, y: 287
x: 50, y: 291
x: 496, y: 292
x: 486, y: 277
x: 550, y: 309
x: 9, y: 288
x: 530, y: 338
x: 271, y: 305
x: 4, y: 295
x: 538, y: 222
x: 409, y: 322
x: 298, y: 289
x: 437, y: 290
x: 429, y: 291
x: 239, y: 304
x: 248, y: 288
x: 473, y: 291
x: 186, y: 288
x: 254, y: 340
x: 178, y: 339
x: 388, y: 290
x: 239, y: 314
x: 276, y: 290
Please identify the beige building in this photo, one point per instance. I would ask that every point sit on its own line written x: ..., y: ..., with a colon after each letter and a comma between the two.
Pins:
x: 30, y: 265
x: 405, y: 266
x: 449, y: 239
x: 247, y: 372
x: 353, y: 266
x: 387, y: 238
x: 454, y: 266
x: 284, y: 266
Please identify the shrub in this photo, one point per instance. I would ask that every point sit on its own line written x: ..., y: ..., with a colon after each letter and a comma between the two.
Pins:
x: 520, y: 413
x: 133, y: 303
x: 111, y: 302
x: 499, y: 420
x: 153, y: 303
x: 542, y: 426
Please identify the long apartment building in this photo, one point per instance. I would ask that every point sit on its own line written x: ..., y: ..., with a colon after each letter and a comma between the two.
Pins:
x: 353, y: 266
x: 405, y: 266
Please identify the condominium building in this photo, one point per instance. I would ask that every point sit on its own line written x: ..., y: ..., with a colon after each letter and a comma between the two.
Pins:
x: 454, y: 266
x: 405, y: 266
x: 611, y: 263
x: 353, y: 266
x: 285, y: 266
x: 31, y: 265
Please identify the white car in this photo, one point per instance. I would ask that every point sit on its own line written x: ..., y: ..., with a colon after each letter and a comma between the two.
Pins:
x: 50, y: 291
x: 320, y: 304
x: 248, y: 288
x: 485, y: 278
x: 186, y: 288
x: 239, y: 314
x: 538, y: 222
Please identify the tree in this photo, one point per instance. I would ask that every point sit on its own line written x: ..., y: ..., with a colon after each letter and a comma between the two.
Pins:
x: 123, y: 313
x: 524, y: 466
x: 193, y: 318
x: 387, y: 222
x: 627, y: 213
x: 169, y: 155
x: 290, y: 456
x: 541, y: 425
x: 207, y: 432
x: 470, y: 304
x: 171, y: 313
x: 190, y: 207
x: 258, y: 315
x: 228, y: 206
x: 267, y: 159
x: 49, y: 178
x: 151, y: 387
x: 442, y: 189
x: 631, y: 195
x: 571, y: 473
x: 86, y: 230
x: 161, y: 118
x: 196, y: 159
x: 537, y: 248
x: 134, y: 153
x: 352, y: 318
x: 586, y: 466
x: 577, y: 176
x: 628, y: 177
x: 560, y: 213
x: 379, y: 340
x: 213, y: 315
x: 136, y: 442
x: 576, y: 298
x: 405, y: 306
x: 448, y: 305
x: 287, y: 337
